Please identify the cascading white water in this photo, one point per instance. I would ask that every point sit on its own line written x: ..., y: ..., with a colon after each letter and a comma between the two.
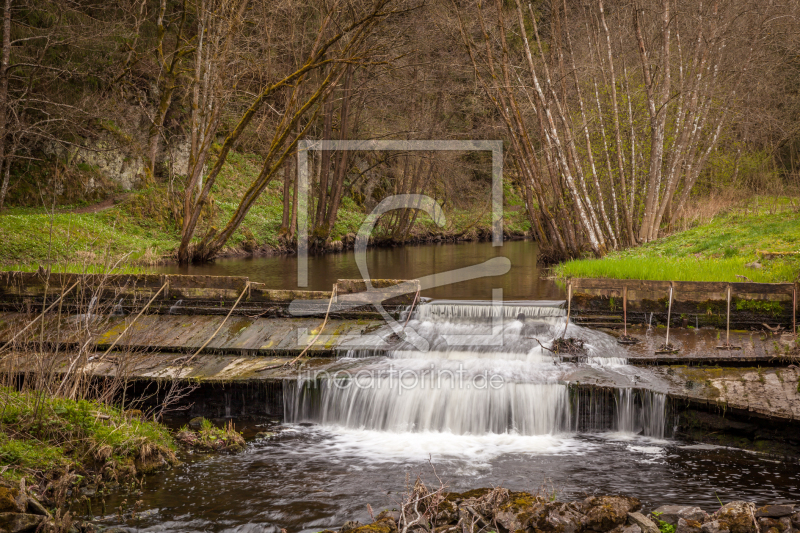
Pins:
x: 449, y: 309
x: 522, y: 408
x: 488, y: 370
x: 646, y: 416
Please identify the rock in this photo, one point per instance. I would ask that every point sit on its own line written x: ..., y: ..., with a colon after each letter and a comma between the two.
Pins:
x: 562, y: 518
x: 196, y: 422
x: 34, y: 507
x: 603, y: 513
x: 264, y: 434
x: 8, y: 500
x: 755, y: 265
x: 447, y: 513
x: 626, y: 528
x: 736, y: 517
x: 19, y: 522
x: 775, y: 511
x: 672, y: 513
x: 796, y: 520
x: 713, y: 527
x: 386, y: 513
x: 765, y: 524
x: 519, y: 511
x: 386, y: 525
x: 350, y: 525
x: 688, y: 526
x: 785, y: 524
x: 644, y: 523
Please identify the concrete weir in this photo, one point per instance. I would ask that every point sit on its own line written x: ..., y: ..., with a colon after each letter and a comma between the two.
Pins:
x: 228, y: 341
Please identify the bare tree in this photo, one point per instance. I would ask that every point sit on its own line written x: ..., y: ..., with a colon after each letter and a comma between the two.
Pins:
x: 342, y: 39
x: 562, y: 103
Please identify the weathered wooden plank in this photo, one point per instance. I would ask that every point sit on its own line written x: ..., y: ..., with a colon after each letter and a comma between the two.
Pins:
x: 608, y: 283
x: 683, y: 286
x: 261, y: 294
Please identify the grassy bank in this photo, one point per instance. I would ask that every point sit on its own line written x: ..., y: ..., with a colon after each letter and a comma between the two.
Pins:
x: 146, y: 225
x: 60, y: 443
x: 718, y: 250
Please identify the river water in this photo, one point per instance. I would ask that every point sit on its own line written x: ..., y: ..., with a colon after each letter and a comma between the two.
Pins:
x: 473, y: 393
x: 409, y: 262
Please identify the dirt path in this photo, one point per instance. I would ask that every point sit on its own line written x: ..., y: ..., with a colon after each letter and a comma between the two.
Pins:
x: 108, y: 203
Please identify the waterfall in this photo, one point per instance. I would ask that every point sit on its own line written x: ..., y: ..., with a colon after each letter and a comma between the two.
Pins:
x: 380, y: 404
x: 449, y: 309
x: 488, y: 369
x: 521, y: 408
x: 641, y: 412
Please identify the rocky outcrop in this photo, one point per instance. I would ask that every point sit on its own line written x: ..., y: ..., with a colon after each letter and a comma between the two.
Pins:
x: 505, y: 511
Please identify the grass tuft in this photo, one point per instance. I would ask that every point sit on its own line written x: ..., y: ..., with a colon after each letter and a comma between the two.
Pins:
x: 42, y: 437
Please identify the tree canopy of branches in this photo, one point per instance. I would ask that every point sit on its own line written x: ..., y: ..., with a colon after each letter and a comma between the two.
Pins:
x: 614, y: 112
x: 612, y: 117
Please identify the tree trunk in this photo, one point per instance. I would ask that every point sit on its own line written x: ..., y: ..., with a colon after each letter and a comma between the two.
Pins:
x: 287, y: 203
x: 5, y: 158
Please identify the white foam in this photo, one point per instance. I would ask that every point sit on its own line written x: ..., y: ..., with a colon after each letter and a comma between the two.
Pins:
x: 384, y: 446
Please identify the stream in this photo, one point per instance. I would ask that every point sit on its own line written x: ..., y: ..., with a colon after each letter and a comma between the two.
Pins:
x: 485, y: 403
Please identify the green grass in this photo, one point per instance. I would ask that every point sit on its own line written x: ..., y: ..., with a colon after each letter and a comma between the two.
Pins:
x: 716, y: 251
x: 41, y: 436
x: 209, y: 437
x: 145, y: 224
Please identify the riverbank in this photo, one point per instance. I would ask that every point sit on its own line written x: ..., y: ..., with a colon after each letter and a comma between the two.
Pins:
x: 754, y: 241
x: 144, y: 226
x: 498, y: 509
x: 54, y: 451
x: 56, y: 454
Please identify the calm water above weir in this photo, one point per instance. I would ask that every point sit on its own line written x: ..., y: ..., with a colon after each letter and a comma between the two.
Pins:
x: 409, y: 262
x: 475, y: 390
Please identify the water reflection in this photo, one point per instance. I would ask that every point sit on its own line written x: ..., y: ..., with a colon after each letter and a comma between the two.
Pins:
x: 280, y: 272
